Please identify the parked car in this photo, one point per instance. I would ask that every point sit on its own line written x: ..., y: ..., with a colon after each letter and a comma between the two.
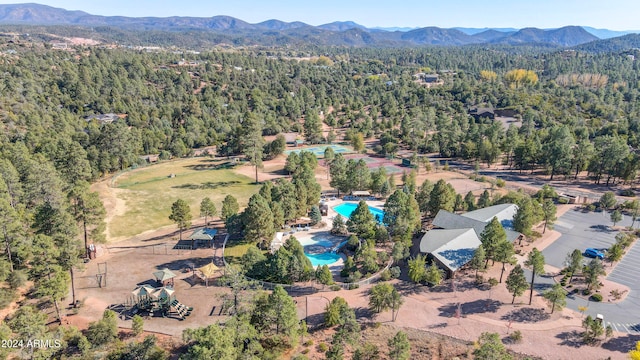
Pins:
x: 594, y: 253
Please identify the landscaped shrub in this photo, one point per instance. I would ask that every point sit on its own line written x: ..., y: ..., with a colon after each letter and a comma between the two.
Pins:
x: 322, y: 347
x: 353, y: 286
x: 17, y: 279
x: 516, y: 336
x: 563, y: 200
x: 385, y: 275
x: 395, y: 272
x: 586, y: 292
x: 335, y: 288
x: 596, y: 297
x: 627, y: 192
x: 308, y: 342
x: 6, y: 297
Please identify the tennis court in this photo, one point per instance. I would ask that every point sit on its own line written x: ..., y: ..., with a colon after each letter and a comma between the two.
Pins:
x: 319, y: 150
x: 392, y: 166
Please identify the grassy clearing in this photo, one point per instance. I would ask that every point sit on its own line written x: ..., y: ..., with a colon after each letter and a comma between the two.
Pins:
x: 233, y: 252
x: 149, y: 192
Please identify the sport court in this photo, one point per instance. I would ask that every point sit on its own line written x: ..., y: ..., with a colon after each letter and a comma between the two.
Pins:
x: 318, y: 151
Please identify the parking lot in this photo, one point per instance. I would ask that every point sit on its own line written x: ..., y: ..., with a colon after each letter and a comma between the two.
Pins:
x: 581, y: 230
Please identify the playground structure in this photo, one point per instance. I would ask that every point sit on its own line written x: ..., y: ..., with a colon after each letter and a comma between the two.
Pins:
x: 160, y: 300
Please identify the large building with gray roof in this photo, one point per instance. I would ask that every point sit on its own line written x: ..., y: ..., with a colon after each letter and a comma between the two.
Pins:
x: 455, y: 237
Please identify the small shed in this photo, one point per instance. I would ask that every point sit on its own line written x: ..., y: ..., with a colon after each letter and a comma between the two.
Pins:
x: 324, y: 209
x: 164, y: 276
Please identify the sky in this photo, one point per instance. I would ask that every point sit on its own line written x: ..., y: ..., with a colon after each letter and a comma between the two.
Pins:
x: 610, y: 14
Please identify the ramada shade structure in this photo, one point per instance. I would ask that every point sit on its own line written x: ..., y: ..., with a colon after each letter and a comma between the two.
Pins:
x: 164, y: 276
x: 208, y: 270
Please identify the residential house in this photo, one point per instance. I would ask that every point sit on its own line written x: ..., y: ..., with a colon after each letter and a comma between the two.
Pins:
x: 482, y: 112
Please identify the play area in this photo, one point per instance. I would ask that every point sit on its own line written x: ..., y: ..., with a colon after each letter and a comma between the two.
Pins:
x: 160, y: 300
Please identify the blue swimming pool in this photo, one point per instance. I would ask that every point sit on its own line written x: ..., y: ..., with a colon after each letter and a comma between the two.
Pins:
x: 326, y: 258
x: 345, y: 209
x: 320, y: 247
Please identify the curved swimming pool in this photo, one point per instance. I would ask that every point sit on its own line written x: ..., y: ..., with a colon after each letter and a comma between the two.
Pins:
x: 345, y: 209
x: 319, y: 248
x: 326, y: 258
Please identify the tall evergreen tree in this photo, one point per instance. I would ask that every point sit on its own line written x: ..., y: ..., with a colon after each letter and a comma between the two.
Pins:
x: 491, y: 237
x: 443, y: 196
x: 516, y: 282
x: 535, y: 262
x: 253, y: 145
x: 259, y: 222
x: 207, y: 209
x: 181, y: 215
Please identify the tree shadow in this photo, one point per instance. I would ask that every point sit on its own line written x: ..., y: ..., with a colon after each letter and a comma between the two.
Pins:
x: 212, y: 164
x: 473, y: 307
x: 622, y: 343
x: 407, y: 288
x: 601, y: 228
x: 571, y: 338
x: 183, y: 264
x: 209, y: 185
x: 363, y: 313
x: 526, y: 315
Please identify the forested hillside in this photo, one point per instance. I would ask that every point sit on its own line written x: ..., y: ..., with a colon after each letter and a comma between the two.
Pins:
x: 579, y: 112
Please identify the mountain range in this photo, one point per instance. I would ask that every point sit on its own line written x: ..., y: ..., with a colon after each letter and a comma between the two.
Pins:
x: 276, y: 32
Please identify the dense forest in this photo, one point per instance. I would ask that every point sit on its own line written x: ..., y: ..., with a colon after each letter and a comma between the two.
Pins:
x: 579, y: 112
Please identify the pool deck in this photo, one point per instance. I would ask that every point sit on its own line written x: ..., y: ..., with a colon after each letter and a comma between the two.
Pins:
x: 328, y: 220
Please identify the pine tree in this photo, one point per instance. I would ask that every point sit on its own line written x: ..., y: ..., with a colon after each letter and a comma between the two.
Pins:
x: 137, y: 325
x: 549, y: 210
x: 484, y: 200
x: 230, y: 207
x: 443, y: 196
x: 253, y: 142
x: 516, y: 282
x: 478, y: 261
x: 181, y: 215
x: 399, y: 347
x: 434, y: 274
x: 417, y: 268
x: 492, y: 235
x: 556, y: 296
x: 338, y: 227
x: 315, y: 215
x: 207, y: 209
x: 505, y: 253
x: 259, y: 221
x: 361, y: 221
x: 535, y: 262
